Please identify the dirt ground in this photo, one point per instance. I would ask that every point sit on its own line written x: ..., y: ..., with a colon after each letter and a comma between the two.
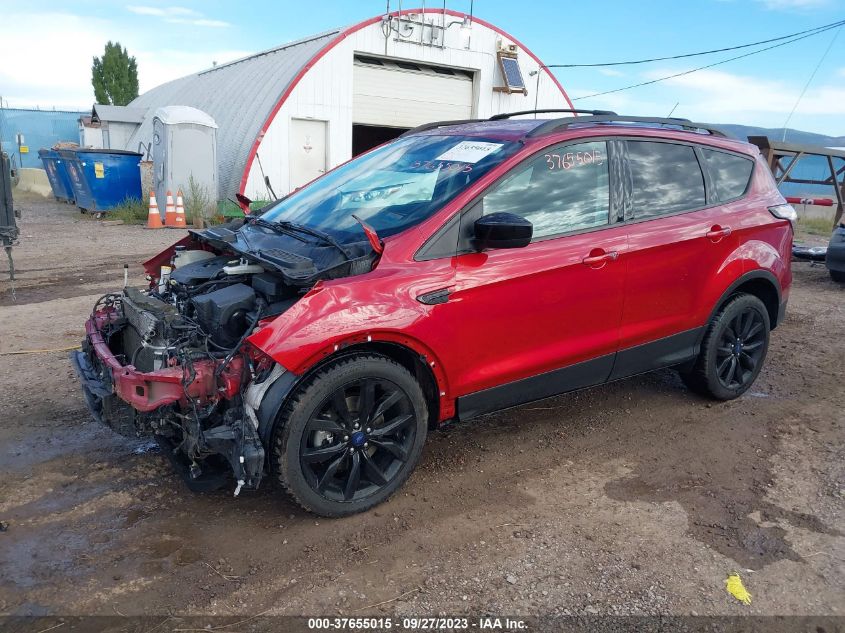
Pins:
x: 633, y: 498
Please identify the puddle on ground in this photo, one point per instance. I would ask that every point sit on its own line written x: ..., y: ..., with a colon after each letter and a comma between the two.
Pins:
x: 720, y: 477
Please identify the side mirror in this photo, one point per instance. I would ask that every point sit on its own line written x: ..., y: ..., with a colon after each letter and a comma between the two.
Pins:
x: 502, y: 230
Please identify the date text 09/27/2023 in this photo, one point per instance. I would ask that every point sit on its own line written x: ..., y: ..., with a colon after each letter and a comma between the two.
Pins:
x: 486, y: 623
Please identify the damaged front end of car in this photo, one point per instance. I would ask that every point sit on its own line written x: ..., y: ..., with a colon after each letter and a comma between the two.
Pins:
x: 174, y: 360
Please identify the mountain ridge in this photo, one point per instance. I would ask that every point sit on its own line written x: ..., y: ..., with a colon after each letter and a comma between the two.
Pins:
x: 799, y: 137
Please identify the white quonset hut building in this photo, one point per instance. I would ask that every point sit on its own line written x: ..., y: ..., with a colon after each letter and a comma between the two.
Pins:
x: 291, y: 113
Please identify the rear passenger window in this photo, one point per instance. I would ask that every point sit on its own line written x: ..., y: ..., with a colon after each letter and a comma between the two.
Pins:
x: 731, y: 173
x: 666, y: 179
x: 564, y: 189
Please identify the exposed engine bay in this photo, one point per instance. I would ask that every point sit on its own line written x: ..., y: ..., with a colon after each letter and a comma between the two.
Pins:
x: 172, y: 360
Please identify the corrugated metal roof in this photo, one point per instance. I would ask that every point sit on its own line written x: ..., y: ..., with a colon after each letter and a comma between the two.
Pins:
x: 239, y: 96
x: 119, y: 114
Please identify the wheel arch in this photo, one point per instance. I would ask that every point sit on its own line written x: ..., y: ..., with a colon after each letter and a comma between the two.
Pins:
x: 283, y: 388
x: 416, y: 364
x: 762, y: 284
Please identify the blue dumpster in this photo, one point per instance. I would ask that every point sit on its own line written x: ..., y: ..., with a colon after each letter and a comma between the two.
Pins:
x: 57, y: 174
x: 103, y: 178
x: 73, y: 169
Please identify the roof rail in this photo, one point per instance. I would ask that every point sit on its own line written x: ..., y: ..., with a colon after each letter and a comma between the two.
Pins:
x: 556, y: 125
x: 595, y: 116
x: 507, y: 115
x: 437, y: 124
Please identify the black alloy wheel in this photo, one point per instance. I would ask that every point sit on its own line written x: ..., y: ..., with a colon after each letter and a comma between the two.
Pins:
x: 351, y: 435
x: 733, y: 349
x: 740, y: 350
x: 358, y: 440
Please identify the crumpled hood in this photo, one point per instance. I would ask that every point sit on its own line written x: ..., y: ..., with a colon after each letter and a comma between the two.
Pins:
x: 302, y: 259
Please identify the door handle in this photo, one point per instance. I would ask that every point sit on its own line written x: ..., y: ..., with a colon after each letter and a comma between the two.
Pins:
x: 435, y: 297
x: 717, y: 232
x: 598, y: 258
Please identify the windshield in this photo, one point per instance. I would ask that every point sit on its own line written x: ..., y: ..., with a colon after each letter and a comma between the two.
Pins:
x: 393, y: 187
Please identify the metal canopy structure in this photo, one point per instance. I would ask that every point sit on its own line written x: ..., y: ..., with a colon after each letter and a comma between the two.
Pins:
x: 782, y: 158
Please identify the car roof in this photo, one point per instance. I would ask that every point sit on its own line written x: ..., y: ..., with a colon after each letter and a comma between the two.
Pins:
x: 504, y: 130
x: 559, y: 129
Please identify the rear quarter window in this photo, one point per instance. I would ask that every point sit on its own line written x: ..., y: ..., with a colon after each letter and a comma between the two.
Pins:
x: 730, y: 173
x: 666, y: 179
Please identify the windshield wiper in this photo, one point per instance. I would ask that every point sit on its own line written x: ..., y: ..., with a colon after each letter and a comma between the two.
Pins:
x: 287, y: 227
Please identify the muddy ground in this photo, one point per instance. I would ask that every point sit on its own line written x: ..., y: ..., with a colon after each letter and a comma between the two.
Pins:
x: 633, y: 498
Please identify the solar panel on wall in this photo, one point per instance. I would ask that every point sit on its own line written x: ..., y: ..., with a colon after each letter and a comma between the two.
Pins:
x: 513, y: 74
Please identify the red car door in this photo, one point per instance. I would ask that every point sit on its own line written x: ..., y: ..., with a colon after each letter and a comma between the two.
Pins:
x: 539, y: 320
x: 679, y: 241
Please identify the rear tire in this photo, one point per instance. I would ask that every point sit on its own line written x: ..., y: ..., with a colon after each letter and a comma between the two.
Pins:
x: 733, y: 350
x: 837, y: 276
x: 351, y: 435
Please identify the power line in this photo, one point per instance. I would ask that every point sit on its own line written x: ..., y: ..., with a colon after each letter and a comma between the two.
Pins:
x: 820, y: 29
x: 809, y: 81
x: 719, y: 63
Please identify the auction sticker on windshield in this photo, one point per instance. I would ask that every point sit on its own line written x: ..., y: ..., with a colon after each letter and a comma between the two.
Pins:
x: 469, y: 151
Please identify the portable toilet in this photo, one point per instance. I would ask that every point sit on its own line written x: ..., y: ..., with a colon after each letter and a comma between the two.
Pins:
x: 184, y: 146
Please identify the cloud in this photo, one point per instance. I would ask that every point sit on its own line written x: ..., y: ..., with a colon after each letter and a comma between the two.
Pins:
x: 57, y: 75
x: 722, y: 92
x: 720, y: 97
x: 621, y: 102
x: 609, y: 72
x: 177, y: 15
x: 161, y: 12
x: 795, y: 5
x: 199, y: 22
x: 158, y: 66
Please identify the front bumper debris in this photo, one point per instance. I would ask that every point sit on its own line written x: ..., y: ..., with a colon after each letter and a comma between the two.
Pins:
x: 203, y: 401
x: 148, y: 391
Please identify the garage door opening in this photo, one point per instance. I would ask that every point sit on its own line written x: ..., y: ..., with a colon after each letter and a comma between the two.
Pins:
x: 390, y: 96
x: 366, y: 137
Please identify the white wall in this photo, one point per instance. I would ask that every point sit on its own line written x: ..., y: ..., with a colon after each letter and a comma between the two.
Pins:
x: 90, y: 137
x: 325, y: 92
x: 119, y: 134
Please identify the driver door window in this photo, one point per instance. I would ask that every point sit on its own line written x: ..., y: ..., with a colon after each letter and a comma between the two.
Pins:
x: 563, y: 190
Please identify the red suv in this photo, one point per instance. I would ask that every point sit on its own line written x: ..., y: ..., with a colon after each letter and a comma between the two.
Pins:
x: 461, y: 269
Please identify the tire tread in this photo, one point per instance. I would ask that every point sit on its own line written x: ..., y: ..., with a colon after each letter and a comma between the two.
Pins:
x: 698, y: 378
x: 299, y: 399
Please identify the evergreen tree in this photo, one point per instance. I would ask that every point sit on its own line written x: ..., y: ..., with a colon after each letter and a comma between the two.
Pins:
x: 114, y: 76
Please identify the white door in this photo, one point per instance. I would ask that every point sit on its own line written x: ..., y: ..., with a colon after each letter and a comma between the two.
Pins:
x: 307, y: 151
x: 405, y: 94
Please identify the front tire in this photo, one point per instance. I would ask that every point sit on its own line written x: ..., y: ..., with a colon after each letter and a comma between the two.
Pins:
x: 351, y: 435
x: 733, y: 350
x: 838, y: 276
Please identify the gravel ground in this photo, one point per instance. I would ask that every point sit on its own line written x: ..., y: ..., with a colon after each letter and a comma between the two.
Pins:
x: 632, y: 498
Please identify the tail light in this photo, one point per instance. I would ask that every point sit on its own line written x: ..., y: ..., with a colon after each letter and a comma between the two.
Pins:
x: 784, y: 212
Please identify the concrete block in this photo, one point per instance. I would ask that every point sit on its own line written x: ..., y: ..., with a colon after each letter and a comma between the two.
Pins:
x: 35, y: 181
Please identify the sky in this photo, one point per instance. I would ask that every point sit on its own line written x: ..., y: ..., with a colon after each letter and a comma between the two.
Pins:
x: 46, y: 49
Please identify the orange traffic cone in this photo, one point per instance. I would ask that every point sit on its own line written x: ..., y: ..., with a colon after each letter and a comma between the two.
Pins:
x: 180, y: 211
x: 154, y: 217
x: 169, y: 211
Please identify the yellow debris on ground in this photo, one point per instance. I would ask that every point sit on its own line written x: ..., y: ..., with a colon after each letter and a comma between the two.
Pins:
x: 734, y: 585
